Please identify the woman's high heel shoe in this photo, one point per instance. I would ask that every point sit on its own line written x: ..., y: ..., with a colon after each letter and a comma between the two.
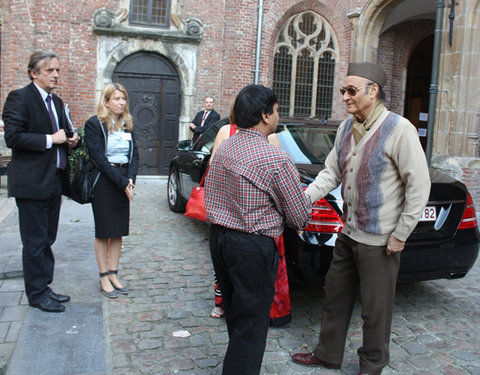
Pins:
x: 113, y: 293
x: 119, y: 290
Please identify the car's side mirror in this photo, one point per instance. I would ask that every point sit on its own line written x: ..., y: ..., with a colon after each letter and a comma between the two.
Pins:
x: 184, y: 145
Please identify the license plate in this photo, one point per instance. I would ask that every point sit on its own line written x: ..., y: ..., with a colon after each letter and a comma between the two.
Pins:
x: 429, y: 213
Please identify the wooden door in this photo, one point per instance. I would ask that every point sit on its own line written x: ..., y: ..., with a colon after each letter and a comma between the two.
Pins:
x: 153, y: 87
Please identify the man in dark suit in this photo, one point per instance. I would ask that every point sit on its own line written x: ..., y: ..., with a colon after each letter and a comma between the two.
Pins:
x: 204, y: 119
x: 37, y: 132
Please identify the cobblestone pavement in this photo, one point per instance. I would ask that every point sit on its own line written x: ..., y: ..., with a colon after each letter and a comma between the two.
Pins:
x: 167, y: 266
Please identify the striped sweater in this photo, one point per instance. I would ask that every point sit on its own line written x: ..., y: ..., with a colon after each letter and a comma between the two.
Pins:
x: 385, y: 179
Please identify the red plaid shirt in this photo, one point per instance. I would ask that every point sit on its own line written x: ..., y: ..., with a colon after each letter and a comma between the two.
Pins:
x: 254, y: 187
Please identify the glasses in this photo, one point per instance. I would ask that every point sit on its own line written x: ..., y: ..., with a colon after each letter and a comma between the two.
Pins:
x: 352, y: 90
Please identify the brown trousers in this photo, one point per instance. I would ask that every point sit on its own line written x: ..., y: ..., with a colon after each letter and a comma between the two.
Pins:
x: 370, y: 271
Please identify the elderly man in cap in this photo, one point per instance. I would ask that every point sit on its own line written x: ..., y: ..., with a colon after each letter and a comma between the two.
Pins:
x: 378, y: 158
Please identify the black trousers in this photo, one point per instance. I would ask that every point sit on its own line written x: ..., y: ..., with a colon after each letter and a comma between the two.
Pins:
x: 38, y: 221
x: 246, y: 267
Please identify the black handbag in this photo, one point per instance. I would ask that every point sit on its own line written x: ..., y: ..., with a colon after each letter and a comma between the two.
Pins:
x: 84, y: 180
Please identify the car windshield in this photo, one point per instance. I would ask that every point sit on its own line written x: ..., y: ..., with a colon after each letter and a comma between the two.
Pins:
x: 305, y: 143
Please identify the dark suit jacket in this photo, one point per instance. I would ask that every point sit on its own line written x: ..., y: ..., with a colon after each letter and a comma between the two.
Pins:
x: 96, y: 137
x: 211, y: 119
x: 33, y: 167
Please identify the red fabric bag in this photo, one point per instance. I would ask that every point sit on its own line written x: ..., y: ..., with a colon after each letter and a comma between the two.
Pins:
x: 196, y: 203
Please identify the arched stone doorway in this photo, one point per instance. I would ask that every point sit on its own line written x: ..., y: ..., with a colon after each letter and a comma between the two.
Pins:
x: 153, y: 87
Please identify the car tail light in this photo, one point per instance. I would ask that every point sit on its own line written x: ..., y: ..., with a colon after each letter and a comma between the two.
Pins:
x: 469, y: 218
x: 324, y: 218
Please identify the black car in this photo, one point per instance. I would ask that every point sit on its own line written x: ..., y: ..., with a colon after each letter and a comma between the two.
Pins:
x: 188, y: 166
x: 444, y: 244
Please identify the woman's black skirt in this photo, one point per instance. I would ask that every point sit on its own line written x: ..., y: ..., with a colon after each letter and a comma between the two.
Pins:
x: 111, y: 208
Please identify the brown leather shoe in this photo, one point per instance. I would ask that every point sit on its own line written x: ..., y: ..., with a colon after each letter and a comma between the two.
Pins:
x: 309, y: 359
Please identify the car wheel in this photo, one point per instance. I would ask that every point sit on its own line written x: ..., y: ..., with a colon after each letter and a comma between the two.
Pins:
x: 175, y: 201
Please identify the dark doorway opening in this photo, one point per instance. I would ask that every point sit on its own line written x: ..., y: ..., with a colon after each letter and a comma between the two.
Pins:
x: 153, y: 87
x: 418, y: 85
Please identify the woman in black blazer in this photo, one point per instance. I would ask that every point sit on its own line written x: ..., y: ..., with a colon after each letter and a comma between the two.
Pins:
x: 111, y: 145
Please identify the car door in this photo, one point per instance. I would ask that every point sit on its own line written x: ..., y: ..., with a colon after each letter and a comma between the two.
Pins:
x: 194, y: 162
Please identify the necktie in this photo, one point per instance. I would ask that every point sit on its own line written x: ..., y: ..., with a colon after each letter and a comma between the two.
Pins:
x: 203, y: 118
x: 61, y: 154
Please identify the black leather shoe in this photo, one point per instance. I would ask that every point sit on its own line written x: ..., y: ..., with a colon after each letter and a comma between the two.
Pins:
x: 122, y: 290
x: 309, y: 359
x: 113, y: 293
x: 59, y: 297
x: 49, y: 305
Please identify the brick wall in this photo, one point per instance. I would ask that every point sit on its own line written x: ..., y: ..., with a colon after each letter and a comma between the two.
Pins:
x: 62, y: 26
x: 226, y: 56
x: 226, y: 59
x: 395, y: 47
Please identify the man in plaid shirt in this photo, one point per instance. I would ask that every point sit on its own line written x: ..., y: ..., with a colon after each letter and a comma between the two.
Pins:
x: 252, y: 189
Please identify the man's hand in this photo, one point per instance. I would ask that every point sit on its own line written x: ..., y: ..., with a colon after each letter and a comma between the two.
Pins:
x: 394, y: 245
x: 192, y: 125
x: 72, y: 142
x: 59, y: 137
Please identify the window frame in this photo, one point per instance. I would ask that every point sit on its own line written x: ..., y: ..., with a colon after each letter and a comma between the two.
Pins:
x: 149, y: 23
x: 318, y: 44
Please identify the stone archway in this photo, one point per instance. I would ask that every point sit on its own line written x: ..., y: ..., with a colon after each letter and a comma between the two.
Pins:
x: 377, y: 15
x: 153, y: 85
x: 367, y: 26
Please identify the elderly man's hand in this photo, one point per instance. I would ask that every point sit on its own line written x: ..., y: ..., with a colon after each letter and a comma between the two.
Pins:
x: 394, y: 245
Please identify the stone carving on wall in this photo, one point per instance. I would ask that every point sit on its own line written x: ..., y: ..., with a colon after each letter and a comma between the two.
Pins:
x: 109, y: 23
x: 106, y: 18
x: 193, y: 27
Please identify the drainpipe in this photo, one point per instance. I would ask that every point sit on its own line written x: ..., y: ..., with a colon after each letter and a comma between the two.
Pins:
x: 432, y: 102
x: 258, y: 51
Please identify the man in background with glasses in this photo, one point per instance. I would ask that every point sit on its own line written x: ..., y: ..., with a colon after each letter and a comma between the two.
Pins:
x: 378, y: 159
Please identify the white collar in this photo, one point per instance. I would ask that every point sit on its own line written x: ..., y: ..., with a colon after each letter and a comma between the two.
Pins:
x: 42, y: 92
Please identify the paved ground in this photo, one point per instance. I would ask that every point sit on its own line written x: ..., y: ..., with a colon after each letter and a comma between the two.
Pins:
x: 34, y: 342
x: 167, y: 267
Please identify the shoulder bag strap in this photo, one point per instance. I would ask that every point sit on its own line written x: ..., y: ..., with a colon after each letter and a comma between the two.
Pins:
x: 202, y: 181
x: 233, y: 129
